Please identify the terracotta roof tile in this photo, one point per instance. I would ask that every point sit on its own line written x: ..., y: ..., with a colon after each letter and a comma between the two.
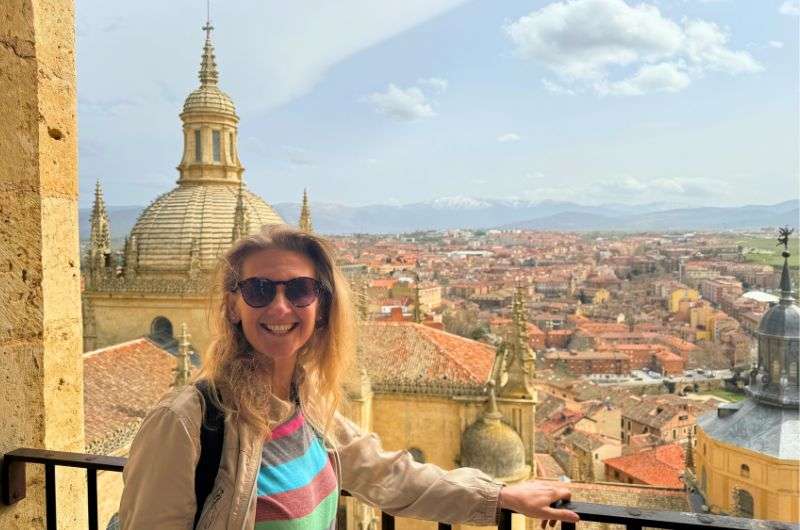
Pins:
x: 121, y: 383
x: 407, y: 354
x: 660, y: 466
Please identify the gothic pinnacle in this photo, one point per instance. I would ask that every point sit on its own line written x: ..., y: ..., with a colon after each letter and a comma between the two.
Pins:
x: 305, y: 215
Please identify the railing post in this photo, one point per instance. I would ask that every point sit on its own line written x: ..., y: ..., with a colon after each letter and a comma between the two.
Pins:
x: 387, y: 521
x: 505, y: 520
x: 50, y: 495
x: 12, y: 481
x: 91, y: 490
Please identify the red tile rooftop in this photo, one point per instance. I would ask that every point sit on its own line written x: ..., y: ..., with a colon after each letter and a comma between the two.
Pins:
x: 121, y: 383
x: 660, y: 466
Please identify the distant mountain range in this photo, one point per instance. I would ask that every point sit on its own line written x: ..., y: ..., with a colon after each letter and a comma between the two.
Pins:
x: 469, y: 212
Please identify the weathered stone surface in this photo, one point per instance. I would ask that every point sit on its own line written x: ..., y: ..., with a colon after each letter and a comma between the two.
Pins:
x: 40, y: 321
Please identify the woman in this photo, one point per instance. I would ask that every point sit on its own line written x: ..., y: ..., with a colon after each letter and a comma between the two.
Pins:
x: 283, y: 338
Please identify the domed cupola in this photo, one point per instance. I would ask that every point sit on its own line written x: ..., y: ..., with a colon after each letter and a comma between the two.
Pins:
x: 493, y: 446
x: 185, y: 230
x: 775, y: 380
x: 210, y: 128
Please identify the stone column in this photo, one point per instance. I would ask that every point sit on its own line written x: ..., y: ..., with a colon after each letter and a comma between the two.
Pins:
x: 41, y: 371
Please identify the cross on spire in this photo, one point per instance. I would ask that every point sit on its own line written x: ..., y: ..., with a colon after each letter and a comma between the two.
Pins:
x: 208, y: 27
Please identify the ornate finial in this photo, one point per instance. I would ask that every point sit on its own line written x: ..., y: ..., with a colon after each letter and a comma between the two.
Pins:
x: 183, y: 371
x: 305, y: 215
x: 492, y: 413
x: 241, y: 223
x: 208, y: 67
x: 786, y: 281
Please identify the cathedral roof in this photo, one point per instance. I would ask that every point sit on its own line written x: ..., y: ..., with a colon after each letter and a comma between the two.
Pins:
x: 773, y: 431
x: 194, y: 222
x: 121, y: 384
x: 414, y: 358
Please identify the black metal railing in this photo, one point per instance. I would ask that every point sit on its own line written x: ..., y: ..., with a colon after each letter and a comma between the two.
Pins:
x: 12, y: 483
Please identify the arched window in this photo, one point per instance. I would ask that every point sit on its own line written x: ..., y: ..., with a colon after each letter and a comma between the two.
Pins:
x: 417, y: 454
x: 161, y: 331
x: 743, y: 503
x: 744, y: 470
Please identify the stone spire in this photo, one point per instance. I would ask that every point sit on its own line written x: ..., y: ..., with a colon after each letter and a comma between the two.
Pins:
x: 100, y: 234
x: 518, y: 370
x: 241, y: 221
x: 183, y: 371
x: 417, y: 309
x: 492, y: 413
x: 305, y: 215
x: 208, y: 66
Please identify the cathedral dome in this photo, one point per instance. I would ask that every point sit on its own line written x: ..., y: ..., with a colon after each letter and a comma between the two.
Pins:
x: 209, y: 99
x: 194, y: 223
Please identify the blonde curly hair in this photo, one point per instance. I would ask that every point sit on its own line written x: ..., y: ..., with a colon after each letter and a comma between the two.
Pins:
x: 243, y: 379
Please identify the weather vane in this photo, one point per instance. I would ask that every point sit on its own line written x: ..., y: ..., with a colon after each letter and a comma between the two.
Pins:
x: 783, y: 238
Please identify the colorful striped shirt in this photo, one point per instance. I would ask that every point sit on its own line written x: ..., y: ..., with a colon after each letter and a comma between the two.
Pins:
x: 297, y: 487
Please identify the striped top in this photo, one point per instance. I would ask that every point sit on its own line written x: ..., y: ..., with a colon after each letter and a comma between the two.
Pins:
x: 297, y: 487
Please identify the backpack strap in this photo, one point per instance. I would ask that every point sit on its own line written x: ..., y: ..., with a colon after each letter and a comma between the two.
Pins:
x: 212, y: 434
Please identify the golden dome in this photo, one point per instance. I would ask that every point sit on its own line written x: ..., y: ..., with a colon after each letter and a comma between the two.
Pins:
x: 194, y: 224
x: 209, y: 99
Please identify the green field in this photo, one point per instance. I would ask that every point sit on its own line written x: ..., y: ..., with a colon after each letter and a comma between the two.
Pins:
x: 724, y: 394
x: 767, y: 251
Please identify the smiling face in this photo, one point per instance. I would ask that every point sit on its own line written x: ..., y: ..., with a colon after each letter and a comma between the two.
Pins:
x: 279, y: 329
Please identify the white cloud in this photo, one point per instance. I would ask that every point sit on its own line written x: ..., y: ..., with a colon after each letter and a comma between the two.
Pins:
x: 437, y: 84
x: 790, y: 7
x: 402, y: 104
x: 663, y: 77
x: 634, y: 189
x: 705, y: 48
x: 589, y: 43
x: 508, y: 137
x: 775, y: 44
x: 535, y: 175
x: 555, y: 88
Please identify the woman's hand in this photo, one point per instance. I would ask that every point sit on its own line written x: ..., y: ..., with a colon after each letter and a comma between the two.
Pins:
x: 533, y: 499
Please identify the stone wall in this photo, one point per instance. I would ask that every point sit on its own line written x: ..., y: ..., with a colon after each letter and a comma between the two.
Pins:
x: 41, y: 378
x: 120, y: 317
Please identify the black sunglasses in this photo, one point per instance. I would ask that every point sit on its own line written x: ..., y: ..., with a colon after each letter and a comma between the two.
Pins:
x: 260, y: 292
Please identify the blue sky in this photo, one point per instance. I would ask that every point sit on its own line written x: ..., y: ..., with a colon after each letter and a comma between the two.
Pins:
x: 686, y: 101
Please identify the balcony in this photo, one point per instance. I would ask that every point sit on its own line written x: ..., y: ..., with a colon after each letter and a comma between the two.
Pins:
x: 12, y: 483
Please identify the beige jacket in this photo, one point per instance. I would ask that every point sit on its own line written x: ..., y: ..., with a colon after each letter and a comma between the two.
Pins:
x: 159, y: 476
